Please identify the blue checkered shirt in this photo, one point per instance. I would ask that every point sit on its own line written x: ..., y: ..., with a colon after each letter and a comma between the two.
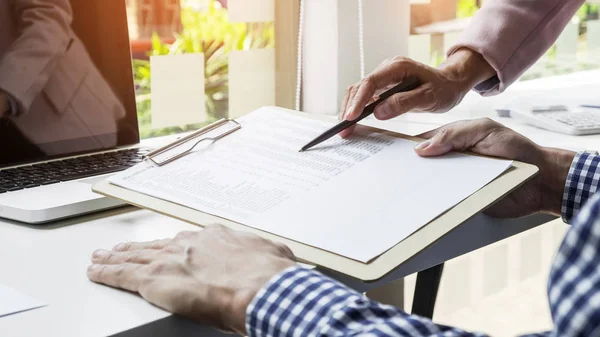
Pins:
x: 303, y: 302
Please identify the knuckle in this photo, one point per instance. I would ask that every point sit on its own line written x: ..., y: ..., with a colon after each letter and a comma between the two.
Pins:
x: 259, y: 240
x: 246, y: 235
x: 485, y: 121
x: 215, y: 227
x: 284, y: 250
x: 488, y: 124
x: 369, y: 82
x: 123, y: 246
x: 190, y: 251
x: 118, y: 273
x: 184, y: 235
x: 172, y: 248
x: 444, y: 135
x: 400, y: 59
x: 491, y: 122
x: 431, y: 101
x: 397, y: 104
x: 133, y: 256
x: 110, y: 256
x: 157, y: 268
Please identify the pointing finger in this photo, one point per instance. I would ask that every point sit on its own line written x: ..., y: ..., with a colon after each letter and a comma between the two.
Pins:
x: 363, y: 95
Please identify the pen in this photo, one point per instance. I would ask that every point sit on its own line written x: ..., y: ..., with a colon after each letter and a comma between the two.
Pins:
x: 406, y: 85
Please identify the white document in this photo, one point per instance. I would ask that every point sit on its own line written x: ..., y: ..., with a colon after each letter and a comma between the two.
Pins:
x: 12, y: 302
x: 357, y: 197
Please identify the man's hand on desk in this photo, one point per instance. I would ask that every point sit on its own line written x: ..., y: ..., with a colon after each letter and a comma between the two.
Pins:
x: 542, y: 194
x: 441, y: 88
x: 210, y: 276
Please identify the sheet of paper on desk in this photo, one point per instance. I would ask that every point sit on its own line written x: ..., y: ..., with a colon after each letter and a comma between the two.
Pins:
x: 12, y: 302
x: 356, y: 197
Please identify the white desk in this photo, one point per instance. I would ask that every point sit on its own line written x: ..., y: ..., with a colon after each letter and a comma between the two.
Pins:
x: 49, y: 262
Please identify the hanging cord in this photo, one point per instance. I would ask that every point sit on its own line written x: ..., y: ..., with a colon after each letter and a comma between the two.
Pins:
x: 361, y: 44
x: 300, y: 56
x: 361, y: 38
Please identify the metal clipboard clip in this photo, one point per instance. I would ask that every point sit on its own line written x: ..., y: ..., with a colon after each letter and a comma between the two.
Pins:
x: 169, y: 153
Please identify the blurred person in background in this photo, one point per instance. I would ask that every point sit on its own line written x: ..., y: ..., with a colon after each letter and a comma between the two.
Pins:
x: 50, y: 89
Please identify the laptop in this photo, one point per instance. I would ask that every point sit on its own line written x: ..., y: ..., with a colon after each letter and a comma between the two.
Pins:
x: 71, y: 115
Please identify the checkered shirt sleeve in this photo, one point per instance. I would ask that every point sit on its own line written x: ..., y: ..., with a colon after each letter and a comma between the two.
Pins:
x: 574, y: 284
x: 303, y: 302
x: 582, y: 183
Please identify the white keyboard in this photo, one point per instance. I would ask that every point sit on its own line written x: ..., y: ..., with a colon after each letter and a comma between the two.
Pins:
x: 579, y: 121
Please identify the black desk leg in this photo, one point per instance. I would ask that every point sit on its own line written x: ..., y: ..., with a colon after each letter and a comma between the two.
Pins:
x: 426, y: 290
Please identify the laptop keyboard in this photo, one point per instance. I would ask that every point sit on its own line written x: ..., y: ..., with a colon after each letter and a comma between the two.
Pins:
x: 69, y: 169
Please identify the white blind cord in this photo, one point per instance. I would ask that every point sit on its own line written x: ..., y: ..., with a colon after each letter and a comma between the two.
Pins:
x: 300, y: 55
x: 361, y: 46
x: 361, y: 38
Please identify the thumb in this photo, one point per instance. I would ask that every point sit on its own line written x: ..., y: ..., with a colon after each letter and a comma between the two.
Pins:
x: 436, y: 146
x: 455, y: 136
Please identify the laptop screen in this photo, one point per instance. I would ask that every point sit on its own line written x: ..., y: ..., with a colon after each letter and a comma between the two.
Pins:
x: 66, y: 83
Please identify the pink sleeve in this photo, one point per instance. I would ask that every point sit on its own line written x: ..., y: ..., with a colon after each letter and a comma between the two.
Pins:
x: 513, y: 34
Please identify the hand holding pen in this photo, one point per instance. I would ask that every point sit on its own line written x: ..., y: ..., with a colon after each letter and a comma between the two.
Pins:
x: 440, y: 90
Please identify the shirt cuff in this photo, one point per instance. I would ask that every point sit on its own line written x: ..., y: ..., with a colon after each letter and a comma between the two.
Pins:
x: 582, y: 183
x: 296, y: 302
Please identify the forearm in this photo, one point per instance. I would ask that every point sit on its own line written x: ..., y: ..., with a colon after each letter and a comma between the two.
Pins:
x: 303, y: 302
x: 512, y: 35
x: 556, y: 164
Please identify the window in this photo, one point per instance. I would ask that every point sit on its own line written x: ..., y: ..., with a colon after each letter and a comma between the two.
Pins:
x: 232, y: 54
x: 248, y: 51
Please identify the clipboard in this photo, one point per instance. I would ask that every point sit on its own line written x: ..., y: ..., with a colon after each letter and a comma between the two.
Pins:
x: 371, y: 271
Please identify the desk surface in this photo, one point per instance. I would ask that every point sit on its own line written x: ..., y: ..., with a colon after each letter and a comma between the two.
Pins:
x: 49, y: 262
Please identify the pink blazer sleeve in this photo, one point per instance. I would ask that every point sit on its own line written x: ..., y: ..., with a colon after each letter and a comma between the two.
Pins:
x: 513, y: 34
x: 44, y: 35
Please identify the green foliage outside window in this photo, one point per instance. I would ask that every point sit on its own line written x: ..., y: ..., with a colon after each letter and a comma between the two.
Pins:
x: 205, y: 31
x: 466, y: 8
